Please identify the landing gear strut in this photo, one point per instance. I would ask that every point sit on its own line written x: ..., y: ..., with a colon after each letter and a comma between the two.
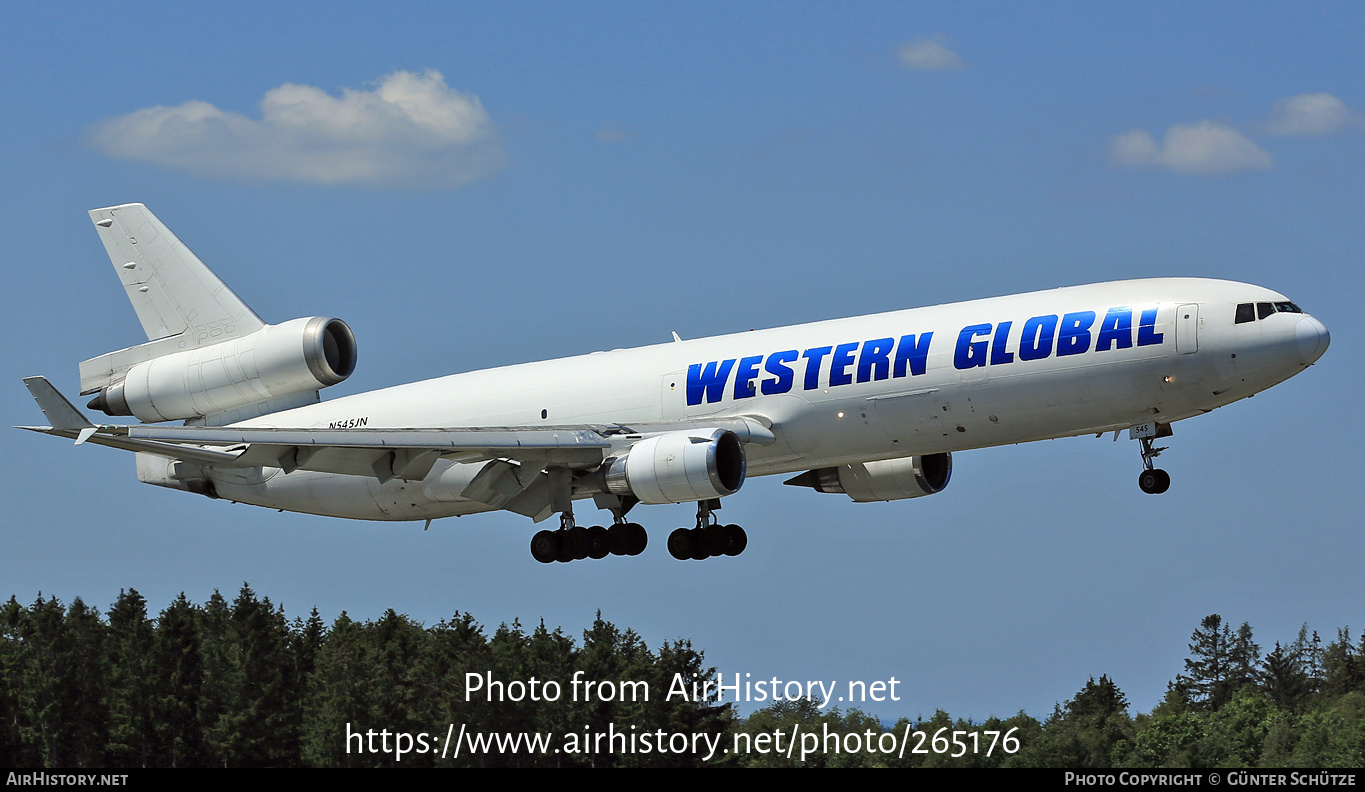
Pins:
x: 1152, y: 480
x: 709, y: 538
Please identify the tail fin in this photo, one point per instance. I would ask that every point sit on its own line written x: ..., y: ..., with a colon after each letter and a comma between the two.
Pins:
x: 180, y: 302
x: 170, y: 288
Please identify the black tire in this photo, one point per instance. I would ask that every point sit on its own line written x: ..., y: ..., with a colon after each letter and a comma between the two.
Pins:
x: 680, y: 544
x: 576, y: 542
x: 599, y: 546
x: 620, y: 539
x: 565, y: 554
x: 1154, y: 481
x: 714, y: 540
x: 639, y: 538
x: 545, y: 546
x: 736, y: 540
x: 699, y: 544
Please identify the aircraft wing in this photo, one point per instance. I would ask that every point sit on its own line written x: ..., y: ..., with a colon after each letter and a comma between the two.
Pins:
x: 68, y: 422
x: 410, y: 453
x: 382, y: 453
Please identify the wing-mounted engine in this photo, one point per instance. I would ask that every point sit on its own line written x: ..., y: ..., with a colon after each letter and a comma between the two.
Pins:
x: 677, y: 467
x: 296, y: 357
x: 884, y: 480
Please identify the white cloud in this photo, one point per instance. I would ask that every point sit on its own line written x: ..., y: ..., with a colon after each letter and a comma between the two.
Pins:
x: 1135, y: 149
x: 611, y: 134
x: 1204, y: 148
x: 1308, y: 114
x: 410, y: 131
x: 929, y: 54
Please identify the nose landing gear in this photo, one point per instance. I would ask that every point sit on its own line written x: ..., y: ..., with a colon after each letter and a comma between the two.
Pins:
x: 1152, y: 479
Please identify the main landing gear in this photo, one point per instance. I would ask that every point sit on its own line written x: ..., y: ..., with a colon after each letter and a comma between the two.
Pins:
x: 575, y: 542
x: 1152, y: 480
x: 708, y: 538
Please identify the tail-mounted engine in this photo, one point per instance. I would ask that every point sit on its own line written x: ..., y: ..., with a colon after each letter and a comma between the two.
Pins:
x: 295, y: 357
x: 679, y: 467
x: 885, y: 480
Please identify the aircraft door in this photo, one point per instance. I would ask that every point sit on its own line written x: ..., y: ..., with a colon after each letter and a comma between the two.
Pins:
x: 674, y: 396
x: 1187, y: 329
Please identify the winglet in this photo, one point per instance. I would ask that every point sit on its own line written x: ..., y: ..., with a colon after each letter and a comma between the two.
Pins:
x: 59, y: 412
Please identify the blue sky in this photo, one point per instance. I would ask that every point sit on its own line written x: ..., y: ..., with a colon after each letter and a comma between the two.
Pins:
x: 537, y: 180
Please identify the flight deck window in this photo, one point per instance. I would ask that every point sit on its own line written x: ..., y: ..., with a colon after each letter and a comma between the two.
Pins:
x: 1246, y: 312
x: 1264, y: 309
x: 1287, y: 307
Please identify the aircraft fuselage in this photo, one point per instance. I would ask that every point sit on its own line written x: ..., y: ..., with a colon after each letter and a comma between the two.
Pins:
x: 989, y: 372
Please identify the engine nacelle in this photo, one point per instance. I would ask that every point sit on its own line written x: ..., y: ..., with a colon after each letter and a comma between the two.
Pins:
x: 884, y: 480
x: 678, y: 467
x: 295, y: 357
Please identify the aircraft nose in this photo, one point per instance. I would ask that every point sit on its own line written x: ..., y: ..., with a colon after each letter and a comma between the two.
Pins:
x: 1313, y: 339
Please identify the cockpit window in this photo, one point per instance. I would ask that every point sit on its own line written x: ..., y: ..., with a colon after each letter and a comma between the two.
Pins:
x: 1250, y: 312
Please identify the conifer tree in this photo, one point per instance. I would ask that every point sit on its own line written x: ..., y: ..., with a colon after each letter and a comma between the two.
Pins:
x: 1285, y: 679
x: 131, y: 683
x: 1244, y: 659
x: 1207, y: 670
x: 336, y: 698
x: 180, y: 677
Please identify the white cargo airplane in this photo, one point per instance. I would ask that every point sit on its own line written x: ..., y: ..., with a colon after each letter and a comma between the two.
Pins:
x: 871, y: 407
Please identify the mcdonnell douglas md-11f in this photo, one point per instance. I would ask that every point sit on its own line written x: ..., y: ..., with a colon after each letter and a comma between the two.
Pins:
x: 872, y: 407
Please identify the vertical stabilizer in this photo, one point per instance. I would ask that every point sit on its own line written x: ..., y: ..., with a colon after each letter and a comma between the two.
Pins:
x: 169, y: 287
x: 180, y: 302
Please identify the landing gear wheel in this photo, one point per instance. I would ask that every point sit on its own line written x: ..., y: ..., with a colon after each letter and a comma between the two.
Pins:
x: 680, y: 544
x: 545, y: 546
x: 1154, y: 481
x: 576, y: 543
x: 714, y: 540
x: 619, y: 538
x: 639, y: 539
x: 565, y: 554
x: 598, y: 543
x: 699, y: 544
x: 735, y: 540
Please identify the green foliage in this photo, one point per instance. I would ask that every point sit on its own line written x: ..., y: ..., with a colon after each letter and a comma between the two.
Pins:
x: 1235, y: 735
x: 1331, y: 736
x: 238, y: 684
x: 132, y: 683
x: 1092, y: 730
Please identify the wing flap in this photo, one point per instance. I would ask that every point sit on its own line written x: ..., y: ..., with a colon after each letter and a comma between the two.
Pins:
x: 452, y: 438
x: 391, y: 453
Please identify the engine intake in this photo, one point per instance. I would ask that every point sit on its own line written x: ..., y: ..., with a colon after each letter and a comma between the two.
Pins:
x: 679, y: 466
x: 884, y: 480
x: 278, y: 360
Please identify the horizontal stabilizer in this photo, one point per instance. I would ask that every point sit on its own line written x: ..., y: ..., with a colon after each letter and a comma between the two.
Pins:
x: 59, y: 412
